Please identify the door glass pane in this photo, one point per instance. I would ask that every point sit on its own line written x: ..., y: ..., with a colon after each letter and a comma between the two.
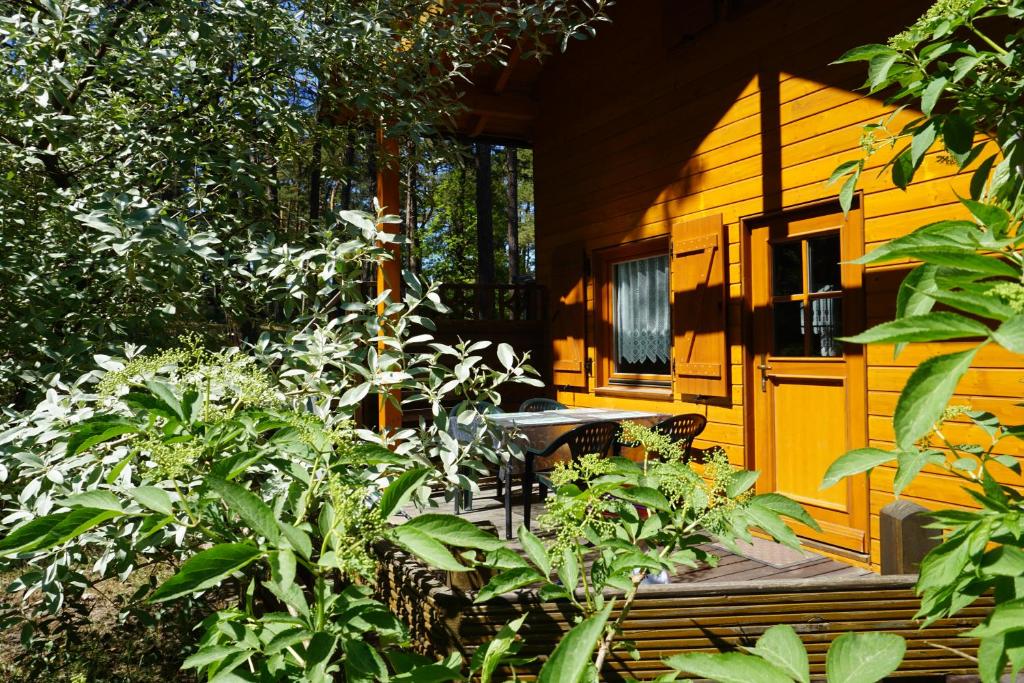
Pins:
x: 642, y: 331
x: 787, y: 268
x: 826, y: 325
x: 823, y: 260
x: 787, y: 319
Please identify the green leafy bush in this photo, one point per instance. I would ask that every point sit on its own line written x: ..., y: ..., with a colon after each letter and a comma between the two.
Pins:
x: 963, y: 64
x: 614, y: 522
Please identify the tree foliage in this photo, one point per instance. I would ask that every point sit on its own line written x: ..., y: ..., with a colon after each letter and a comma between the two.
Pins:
x: 149, y: 148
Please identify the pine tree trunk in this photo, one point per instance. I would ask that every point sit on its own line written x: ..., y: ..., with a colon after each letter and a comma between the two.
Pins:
x: 410, y: 213
x: 512, y: 211
x: 314, y: 179
x: 484, y: 229
x: 350, y: 161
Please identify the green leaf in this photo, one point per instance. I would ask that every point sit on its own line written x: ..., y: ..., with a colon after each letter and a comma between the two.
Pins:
x: 740, y: 482
x: 924, y: 138
x: 399, y: 491
x: 910, y: 465
x: 572, y: 655
x: 165, y: 393
x: 94, y: 432
x: 256, y: 514
x: 926, y: 394
x: 846, y: 192
x: 508, y: 581
x: 912, y: 298
x: 958, y: 135
x: 842, y: 169
x: 206, y: 569
x: 1005, y: 617
x: 363, y: 662
x: 1010, y: 334
x: 452, y: 530
x: 729, y: 667
x: 100, y: 500
x: 297, y: 539
x: 781, y: 646
x: 931, y: 95
x: 865, y: 53
x: 1004, y: 560
x: 354, y: 395
x: 993, y: 217
x: 770, y: 522
x: 787, y: 507
x: 975, y: 304
x: 643, y: 495
x: 963, y: 259
x: 209, y: 655
x: 318, y: 656
x: 569, y: 571
x: 152, y: 498
x: 535, y: 550
x: 282, y: 564
x: 879, y: 67
x: 46, y: 532
x: 487, y: 659
x: 903, y: 169
x: 506, y: 356
x: 980, y: 176
x: 921, y: 328
x: 427, y: 549
x: 864, y: 657
x: 855, y: 462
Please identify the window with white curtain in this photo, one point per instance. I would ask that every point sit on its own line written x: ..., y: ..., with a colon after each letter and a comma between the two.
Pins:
x: 641, y: 321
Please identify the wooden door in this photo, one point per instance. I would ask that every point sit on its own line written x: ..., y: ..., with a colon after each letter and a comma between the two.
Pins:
x: 809, y: 394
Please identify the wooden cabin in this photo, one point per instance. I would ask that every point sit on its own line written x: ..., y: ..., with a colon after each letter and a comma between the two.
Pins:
x: 696, y: 259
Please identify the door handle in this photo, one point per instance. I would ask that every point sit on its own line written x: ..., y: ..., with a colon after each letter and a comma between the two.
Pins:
x: 764, y: 368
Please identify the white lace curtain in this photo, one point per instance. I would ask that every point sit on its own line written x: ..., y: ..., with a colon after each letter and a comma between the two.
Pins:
x: 641, y: 310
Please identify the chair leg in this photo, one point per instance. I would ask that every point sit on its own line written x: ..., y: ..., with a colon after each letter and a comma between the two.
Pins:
x: 527, y: 491
x: 508, y: 504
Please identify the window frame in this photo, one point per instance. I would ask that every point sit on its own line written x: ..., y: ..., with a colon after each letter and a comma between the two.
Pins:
x: 608, y: 381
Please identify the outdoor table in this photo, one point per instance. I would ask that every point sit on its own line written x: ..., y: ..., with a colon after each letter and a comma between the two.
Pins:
x: 536, y: 430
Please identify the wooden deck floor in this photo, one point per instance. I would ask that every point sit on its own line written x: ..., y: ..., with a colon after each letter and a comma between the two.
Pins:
x: 761, y: 560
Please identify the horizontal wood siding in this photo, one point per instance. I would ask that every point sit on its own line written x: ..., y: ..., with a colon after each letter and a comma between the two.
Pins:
x: 745, y: 118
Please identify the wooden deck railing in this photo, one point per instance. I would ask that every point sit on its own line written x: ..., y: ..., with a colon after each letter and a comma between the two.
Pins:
x: 518, y: 302
x: 698, y: 617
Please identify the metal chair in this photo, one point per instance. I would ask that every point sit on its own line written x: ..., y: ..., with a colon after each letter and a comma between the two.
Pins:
x: 684, y: 429
x: 537, y: 405
x: 594, y: 437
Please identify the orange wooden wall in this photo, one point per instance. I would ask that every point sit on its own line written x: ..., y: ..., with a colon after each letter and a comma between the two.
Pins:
x: 640, y: 129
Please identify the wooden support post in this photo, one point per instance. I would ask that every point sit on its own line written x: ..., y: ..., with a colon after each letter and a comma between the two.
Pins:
x: 389, y: 275
x: 905, y: 540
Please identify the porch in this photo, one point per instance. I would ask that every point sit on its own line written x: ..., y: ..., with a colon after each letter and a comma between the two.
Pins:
x: 704, y: 609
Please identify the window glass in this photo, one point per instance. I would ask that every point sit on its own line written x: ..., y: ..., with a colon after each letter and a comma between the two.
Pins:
x: 823, y: 261
x: 826, y: 325
x: 787, y: 268
x: 788, y: 320
x: 641, y: 324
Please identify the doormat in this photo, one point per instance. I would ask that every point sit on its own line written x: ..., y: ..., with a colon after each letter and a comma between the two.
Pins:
x: 771, y: 553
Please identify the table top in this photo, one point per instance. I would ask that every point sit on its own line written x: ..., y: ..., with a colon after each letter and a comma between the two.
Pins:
x: 569, y: 416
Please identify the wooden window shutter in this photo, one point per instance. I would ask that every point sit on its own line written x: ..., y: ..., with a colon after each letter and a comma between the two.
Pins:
x: 700, y: 291
x: 568, y: 316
